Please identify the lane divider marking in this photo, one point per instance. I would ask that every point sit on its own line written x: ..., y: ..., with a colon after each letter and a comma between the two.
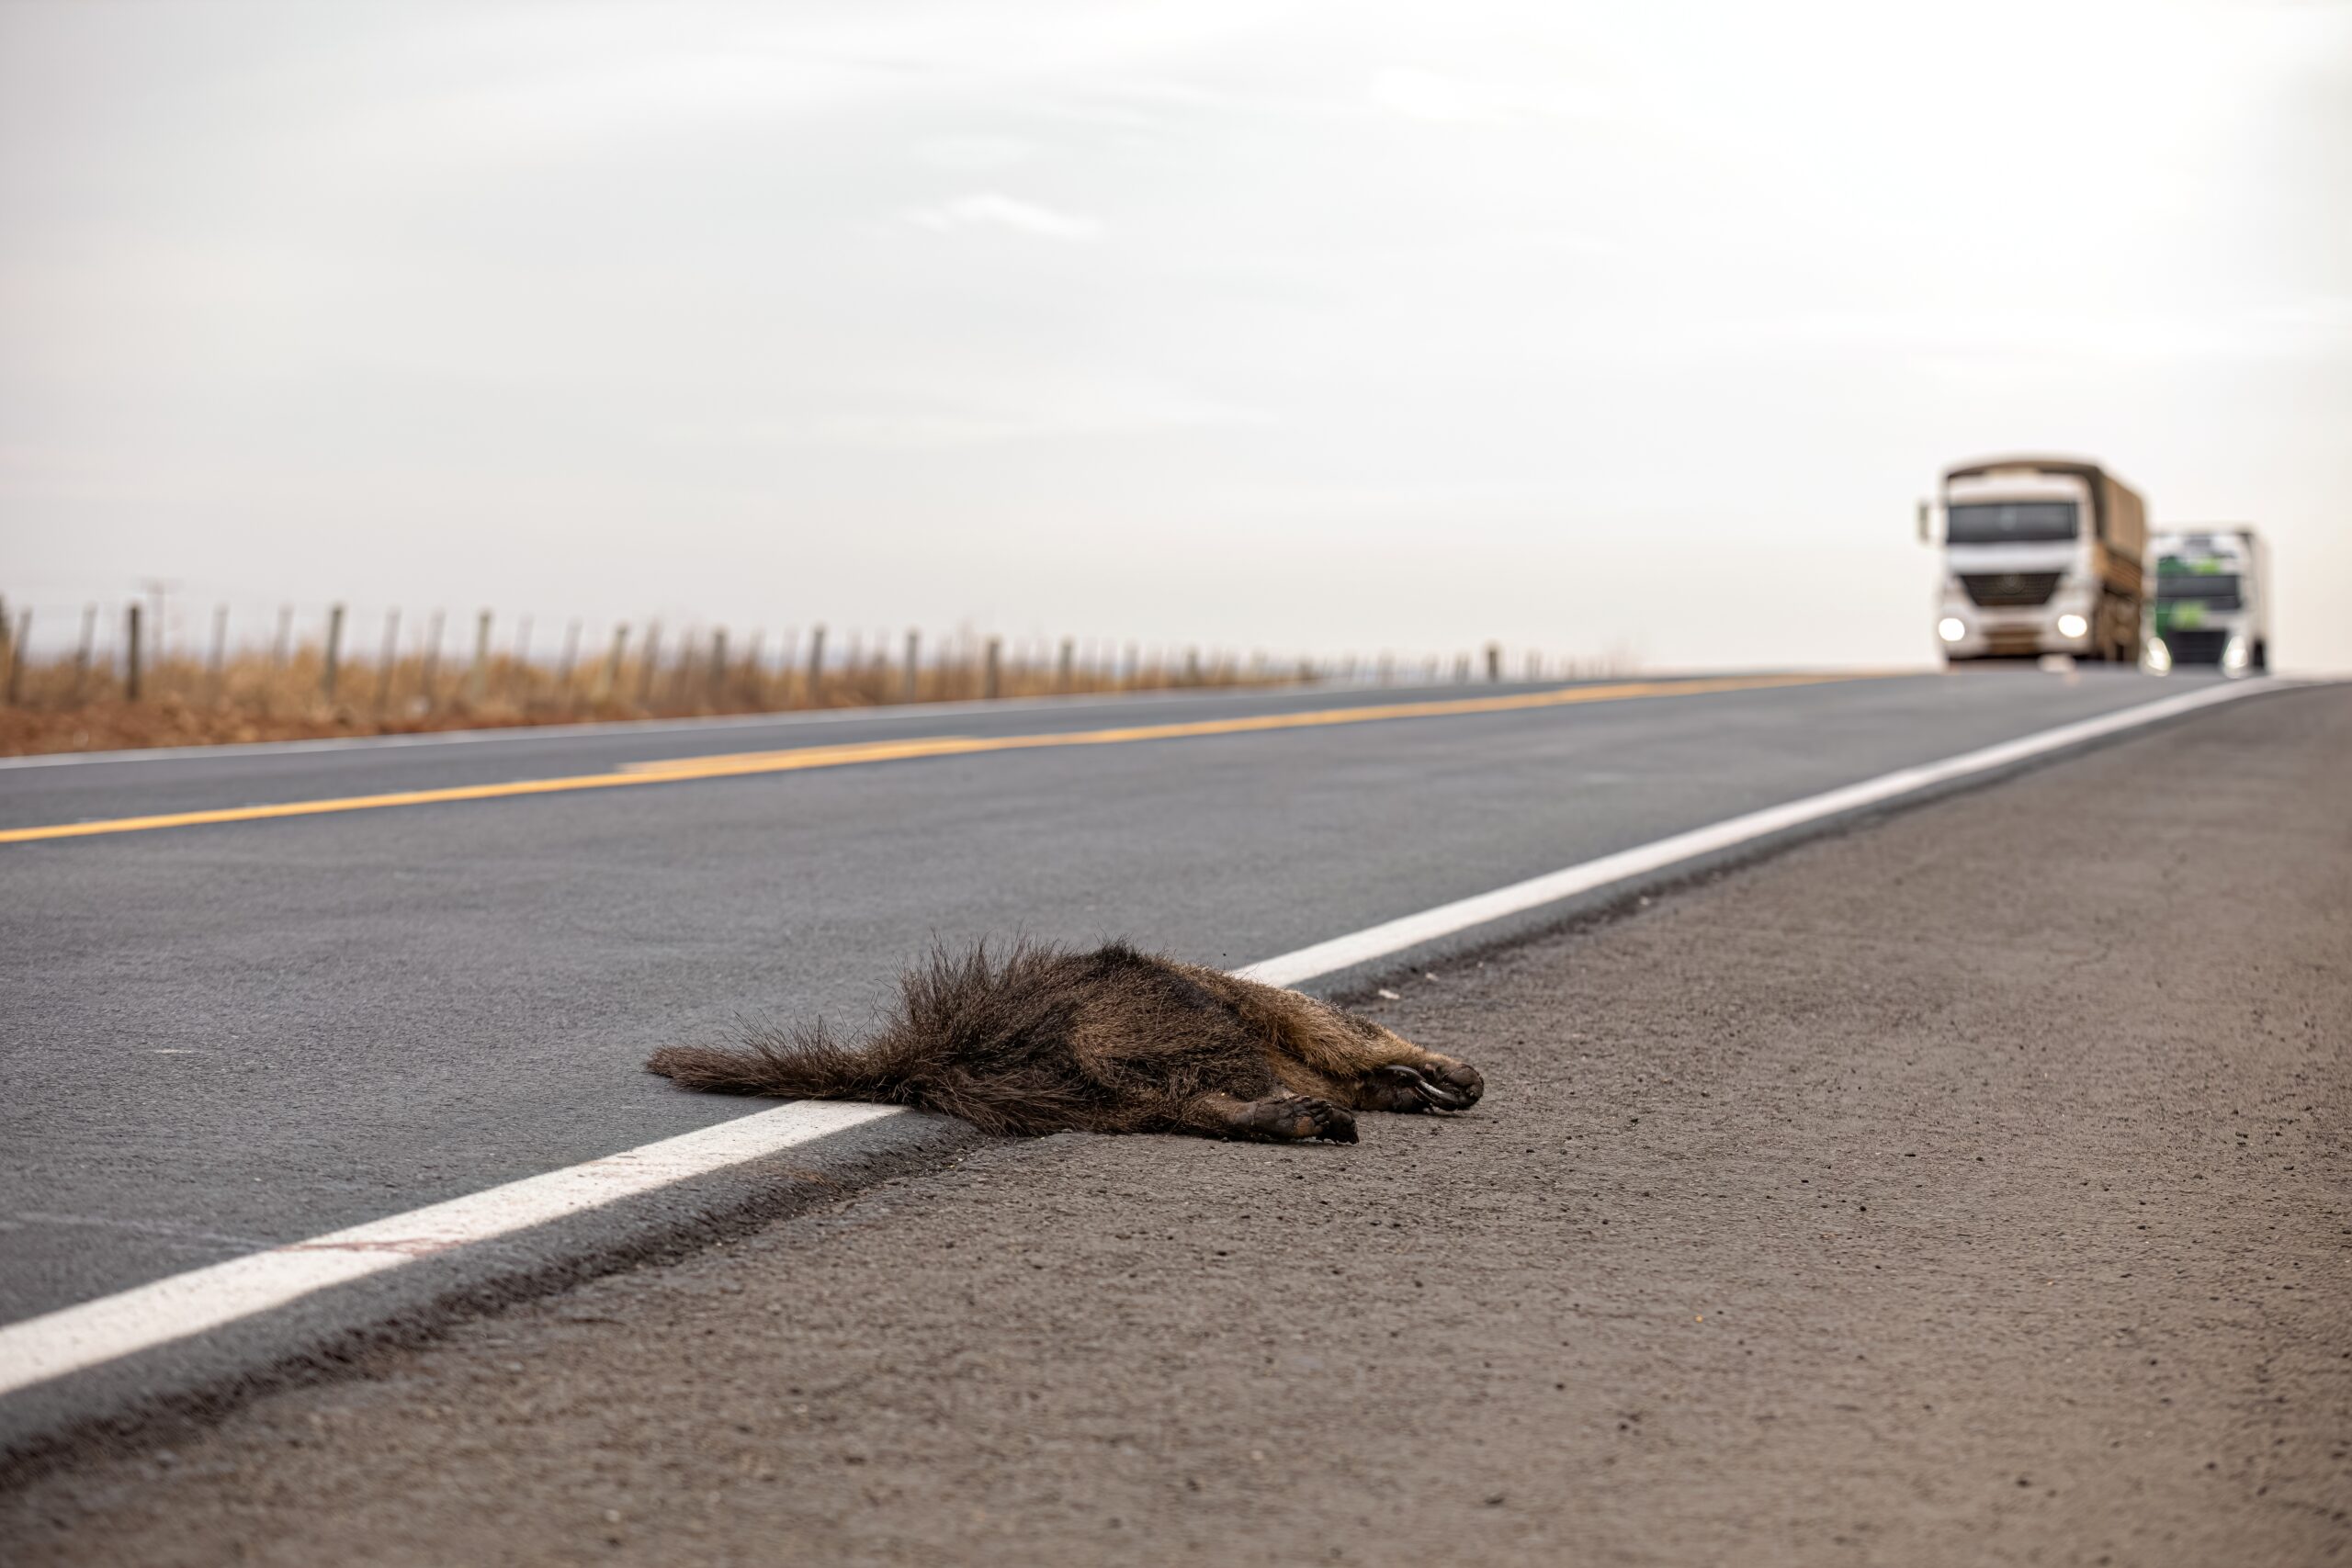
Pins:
x: 77, y: 1337
x: 718, y: 724
x: 684, y: 770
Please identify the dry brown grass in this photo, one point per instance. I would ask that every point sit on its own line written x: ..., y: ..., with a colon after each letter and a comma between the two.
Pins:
x: 61, y: 706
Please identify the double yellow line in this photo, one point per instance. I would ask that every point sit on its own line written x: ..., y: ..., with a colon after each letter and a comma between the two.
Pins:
x: 684, y: 770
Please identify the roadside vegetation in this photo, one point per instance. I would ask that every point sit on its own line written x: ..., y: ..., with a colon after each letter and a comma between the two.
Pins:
x: 104, y: 694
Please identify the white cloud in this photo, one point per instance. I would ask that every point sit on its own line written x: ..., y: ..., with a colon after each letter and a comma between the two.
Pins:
x: 979, y: 426
x: 970, y: 150
x: 983, y: 209
x: 949, y: 409
x: 2299, y: 330
x: 1454, y: 100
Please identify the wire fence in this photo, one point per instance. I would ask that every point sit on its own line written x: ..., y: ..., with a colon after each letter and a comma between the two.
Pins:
x: 96, y: 677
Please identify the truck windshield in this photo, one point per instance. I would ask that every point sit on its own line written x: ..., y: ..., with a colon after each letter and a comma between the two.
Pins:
x: 2010, y: 523
x: 2214, y: 590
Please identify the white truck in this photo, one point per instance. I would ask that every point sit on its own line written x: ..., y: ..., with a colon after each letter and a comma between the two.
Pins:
x: 2211, y: 604
x: 2042, y: 555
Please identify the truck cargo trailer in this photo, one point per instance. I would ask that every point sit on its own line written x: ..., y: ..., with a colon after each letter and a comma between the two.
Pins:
x: 2042, y: 555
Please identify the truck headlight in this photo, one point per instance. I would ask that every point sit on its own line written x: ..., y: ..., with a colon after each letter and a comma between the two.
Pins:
x: 2159, y: 657
x: 2072, y: 625
x: 2236, y: 654
x: 1951, y: 628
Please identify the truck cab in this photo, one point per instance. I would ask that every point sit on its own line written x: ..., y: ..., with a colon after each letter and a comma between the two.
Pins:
x: 2042, y: 555
x: 2212, y: 605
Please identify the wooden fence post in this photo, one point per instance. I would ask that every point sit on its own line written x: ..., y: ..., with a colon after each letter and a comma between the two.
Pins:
x: 519, y: 666
x: 1066, y: 667
x: 753, y: 683
x: 132, y: 647
x: 334, y: 650
x: 216, y: 667
x: 612, y: 681
x: 909, y: 684
x: 17, y: 640
x: 390, y: 663
x: 816, y: 664
x: 478, y: 678
x: 652, y: 660
x: 429, y: 678
x: 993, y: 673
x: 718, y: 663
x: 284, y: 649
x: 1494, y: 661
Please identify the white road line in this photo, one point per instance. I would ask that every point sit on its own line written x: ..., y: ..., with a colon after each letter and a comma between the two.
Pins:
x: 1447, y: 919
x: 78, y: 1337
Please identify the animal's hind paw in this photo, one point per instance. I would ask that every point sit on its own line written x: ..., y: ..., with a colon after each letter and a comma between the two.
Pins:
x: 1296, y: 1118
x: 1433, y: 1085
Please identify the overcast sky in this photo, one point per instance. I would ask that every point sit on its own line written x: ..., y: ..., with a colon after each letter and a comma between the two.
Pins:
x: 1636, y: 327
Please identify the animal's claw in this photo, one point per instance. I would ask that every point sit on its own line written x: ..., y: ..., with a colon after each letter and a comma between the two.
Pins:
x: 1454, y: 1086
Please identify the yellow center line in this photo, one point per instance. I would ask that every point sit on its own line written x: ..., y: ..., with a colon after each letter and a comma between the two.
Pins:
x: 682, y: 770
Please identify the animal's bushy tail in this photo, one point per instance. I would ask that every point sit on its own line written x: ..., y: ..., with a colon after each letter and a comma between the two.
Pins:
x: 988, y: 1043
x: 799, y: 1064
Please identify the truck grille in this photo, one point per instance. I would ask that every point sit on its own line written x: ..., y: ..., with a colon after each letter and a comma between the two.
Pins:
x: 2010, y: 589
x: 2196, y: 648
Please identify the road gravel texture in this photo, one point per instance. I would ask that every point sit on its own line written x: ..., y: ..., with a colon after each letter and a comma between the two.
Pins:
x: 1971, y: 1187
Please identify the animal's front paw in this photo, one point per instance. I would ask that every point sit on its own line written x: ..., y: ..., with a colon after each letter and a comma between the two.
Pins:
x: 1437, y: 1083
x: 1457, y: 1083
x: 1296, y: 1118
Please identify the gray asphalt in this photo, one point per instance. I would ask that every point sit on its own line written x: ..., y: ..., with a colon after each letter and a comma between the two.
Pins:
x: 1967, y: 1188
x: 225, y: 1037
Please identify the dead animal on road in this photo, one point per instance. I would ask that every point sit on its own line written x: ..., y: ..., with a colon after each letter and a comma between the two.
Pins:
x: 1113, y: 1040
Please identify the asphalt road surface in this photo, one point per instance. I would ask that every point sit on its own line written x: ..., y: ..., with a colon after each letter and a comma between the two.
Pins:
x: 1969, y: 1186
x: 223, y: 1037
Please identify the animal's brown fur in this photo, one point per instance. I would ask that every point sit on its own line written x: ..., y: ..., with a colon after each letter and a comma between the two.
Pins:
x: 1113, y: 1040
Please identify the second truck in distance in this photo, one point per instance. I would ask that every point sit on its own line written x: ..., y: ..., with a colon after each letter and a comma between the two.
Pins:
x: 2212, y: 602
